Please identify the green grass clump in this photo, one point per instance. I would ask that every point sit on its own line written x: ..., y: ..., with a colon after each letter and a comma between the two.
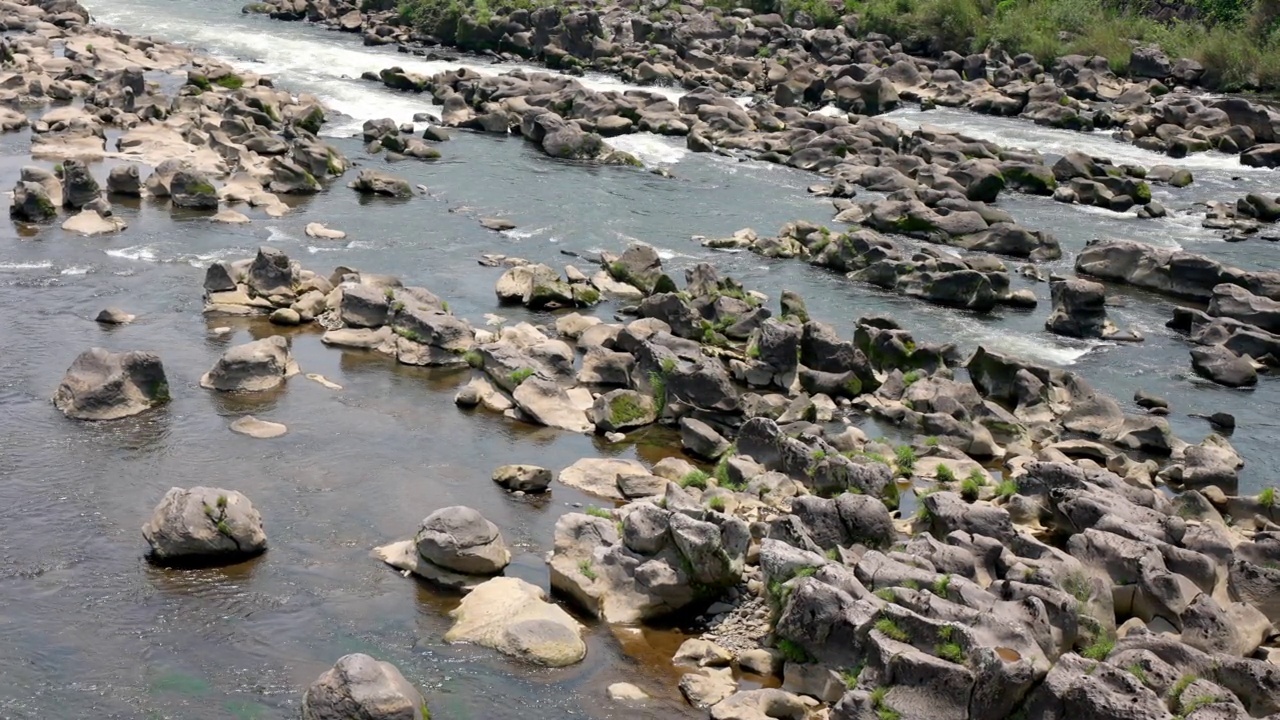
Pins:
x: 1267, y: 498
x: 905, y: 458
x: 887, y: 627
x: 587, y: 571
x: 695, y: 479
x: 1007, y: 489
x: 594, y: 511
x: 717, y: 504
x: 1138, y: 672
x: 911, y: 378
x: 1100, y: 648
x: 951, y: 652
x: 518, y: 376
x: 625, y: 410
x: 883, y: 711
x: 474, y: 358
x: 970, y: 489
x: 941, y: 585
x: 1175, y: 692
x: 945, y: 474
x: 850, y: 677
x: 791, y: 651
x: 658, y: 384
x: 931, y: 441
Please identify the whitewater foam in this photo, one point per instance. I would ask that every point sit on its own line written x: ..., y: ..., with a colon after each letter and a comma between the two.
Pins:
x: 144, y: 253
x: 19, y: 266
x: 75, y: 270
x: 651, y: 149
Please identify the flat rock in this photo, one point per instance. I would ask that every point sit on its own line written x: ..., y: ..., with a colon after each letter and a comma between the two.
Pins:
x: 497, y: 224
x: 514, y: 618
x: 599, y: 476
x: 326, y: 382
x: 320, y: 232
x: 89, y: 222
x: 260, y: 429
x: 230, y: 217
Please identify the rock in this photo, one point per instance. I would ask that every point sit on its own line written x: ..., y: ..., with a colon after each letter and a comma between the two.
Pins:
x: 320, y: 232
x: 260, y: 429
x: 1233, y: 301
x: 373, y: 182
x: 102, y: 385
x: 701, y: 440
x: 708, y: 688
x: 1148, y: 401
x: 460, y: 539
x: 497, y: 224
x: 765, y: 662
x: 204, y: 525
x: 124, y: 180
x: 193, y: 190
x: 230, y: 217
x: 1217, y: 363
x: 599, y: 476
x: 1169, y: 271
x: 364, y: 306
x: 114, y: 316
x: 285, y: 317
x: 525, y: 478
x: 1079, y: 309
x: 622, y: 410
x: 514, y: 618
x: 259, y: 365
x: 31, y: 203
x: 80, y: 188
x: 626, y: 692
x: 548, y: 404
x: 360, y: 687
x: 88, y: 222
x: 703, y: 653
x: 762, y: 704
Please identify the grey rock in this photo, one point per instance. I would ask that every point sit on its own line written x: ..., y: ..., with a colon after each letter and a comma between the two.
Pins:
x: 102, y: 385
x: 204, y: 525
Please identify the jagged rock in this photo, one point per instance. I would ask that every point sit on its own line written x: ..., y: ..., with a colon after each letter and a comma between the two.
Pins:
x: 80, y: 188
x: 204, y: 525
x: 1079, y: 309
x: 102, y: 385
x: 193, y: 190
x: 1217, y: 363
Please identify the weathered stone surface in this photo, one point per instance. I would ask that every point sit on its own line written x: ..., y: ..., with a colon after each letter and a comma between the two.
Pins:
x: 514, y: 618
x: 102, y: 385
x: 204, y: 525
x: 360, y: 687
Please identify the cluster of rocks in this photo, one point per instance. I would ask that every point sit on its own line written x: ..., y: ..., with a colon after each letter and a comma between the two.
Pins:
x: 1245, y: 219
x: 797, y: 64
x: 217, y: 125
x: 1236, y: 337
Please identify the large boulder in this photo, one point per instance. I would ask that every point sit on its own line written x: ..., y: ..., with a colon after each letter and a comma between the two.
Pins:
x: 361, y: 688
x: 1233, y: 301
x: 204, y: 526
x: 125, y: 180
x: 1219, y: 364
x: 102, y: 385
x: 1079, y: 309
x: 80, y: 188
x: 259, y: 365
x: 461, y: 539
x: 31, y: 203
x: 514, y: 618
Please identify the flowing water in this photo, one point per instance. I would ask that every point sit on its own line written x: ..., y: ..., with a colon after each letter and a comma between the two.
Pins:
x: 88, y: 628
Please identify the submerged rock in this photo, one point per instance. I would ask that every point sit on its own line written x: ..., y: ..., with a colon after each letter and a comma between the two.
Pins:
x: 102, y: 385
x: 203, y: 525
x: 260, y: 429
x: 372, y: 182
x: 514, y: 618
x: 360, y: 687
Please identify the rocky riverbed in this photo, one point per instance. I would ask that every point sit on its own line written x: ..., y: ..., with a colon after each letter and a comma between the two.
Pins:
x: 751, y: 408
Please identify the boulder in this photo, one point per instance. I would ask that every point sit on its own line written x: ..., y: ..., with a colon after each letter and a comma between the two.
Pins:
x: 125, y: 180
x: 523, y: 478
x: 373, y: 182
x: 1217, y: 363
x: 31, y: 203
x: 460, y: 539
x: 203, y: 525
x: 1079, y: 309
x: 193, y: 189
x: 255, y: 366
x: 114, y: 316
x: 102, y: 385
x: 620, y: 410
x: 599, y: 476
x: 359, y: 686
x: 80, y: 188
x: 514, y: 618
x: 549, y: 404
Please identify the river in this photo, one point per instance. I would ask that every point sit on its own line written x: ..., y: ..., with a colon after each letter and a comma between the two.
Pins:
x: 90, y: 629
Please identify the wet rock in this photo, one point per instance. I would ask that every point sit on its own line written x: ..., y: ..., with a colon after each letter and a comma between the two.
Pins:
x: 525, y: 478
x: 1237, y: 303
x: 701, y: 440
x: 320, y: 232
x: 102, y: 385
x: 373, y: 182
x: 125, y: 180
x: 114, y: 316
x: 255, y: 366
x: 203, y: 525
x: 360, y: 687
x: 1169, y: 271
x: 1217, y: 363
x: 80, y: 188
x: 626, y: 692
x: 193, y: 190
x: 514, y: 618
x: 622, y: 409
x: 287, y: 317
x: 259, y: 429
x: 1079, y: 309
x: 462, y: 540
x: 88, y: 222
x: 31, y: 203
x: 497, y: 224
x: 549, y: 404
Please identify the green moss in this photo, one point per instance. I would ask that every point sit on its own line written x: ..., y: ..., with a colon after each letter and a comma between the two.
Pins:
x: 941, y: 585
x: 912, y: 377
x: 753, y: 351
x: 587, y: 571
x: 695, y: 479
x: 201, y: 187
x: 199, y: 81
x: 1100, y: 648
x: 518, y: 376
x: 853, y: 386
x: 230, y: 81
x: 413, y: 335
x: 474, y: 359
x: 160, y: 392
x: 333, y: 165
x: 1142, y: 193
x: 586, y: 295
x: 594, y: 511
x: 717, y: 503
x: 951, y: 652
x: 1007, y: 489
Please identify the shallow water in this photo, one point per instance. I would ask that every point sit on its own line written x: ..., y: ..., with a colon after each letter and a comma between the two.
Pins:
x: 91, y: 628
